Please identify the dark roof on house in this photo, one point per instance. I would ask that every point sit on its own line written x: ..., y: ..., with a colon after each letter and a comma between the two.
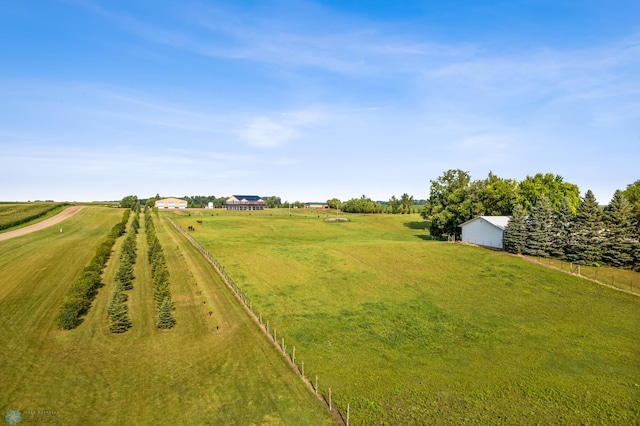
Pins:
x: 247, y: 197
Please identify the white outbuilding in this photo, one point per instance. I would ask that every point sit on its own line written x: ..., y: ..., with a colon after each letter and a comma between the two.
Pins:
x: 485, y: 230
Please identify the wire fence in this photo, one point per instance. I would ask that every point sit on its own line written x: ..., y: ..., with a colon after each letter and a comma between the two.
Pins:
x: 621, y: 279
x: 341, y: 415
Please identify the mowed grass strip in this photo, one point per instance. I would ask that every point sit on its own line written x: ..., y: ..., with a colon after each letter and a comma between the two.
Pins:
x: 209, y: 369
x: 411, y: 331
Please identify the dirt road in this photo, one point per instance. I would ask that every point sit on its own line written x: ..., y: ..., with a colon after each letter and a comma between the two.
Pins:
x: 63, y: 215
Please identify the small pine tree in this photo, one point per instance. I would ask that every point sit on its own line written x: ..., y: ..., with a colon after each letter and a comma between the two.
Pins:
x: 124, y: 274
x: 119, y: 321
x: 539, y: 226
x: 117, y: 296
x: 515, y: 234
x: 161, y: 292
x: 165, y: 314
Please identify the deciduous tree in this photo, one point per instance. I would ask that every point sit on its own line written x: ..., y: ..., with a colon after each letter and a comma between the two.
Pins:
x: 449, y: 203
x: 632, y: 193
x: 407, y: 201
x: 552, y: 186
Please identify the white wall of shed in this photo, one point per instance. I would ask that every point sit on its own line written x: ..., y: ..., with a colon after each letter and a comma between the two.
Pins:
x: 482, y: 233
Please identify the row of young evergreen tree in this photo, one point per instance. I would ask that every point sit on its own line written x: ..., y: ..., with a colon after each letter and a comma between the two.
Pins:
x: 117, y: 309
x: 81, y: 294
x: 159, y: 276
x: 591, y: 236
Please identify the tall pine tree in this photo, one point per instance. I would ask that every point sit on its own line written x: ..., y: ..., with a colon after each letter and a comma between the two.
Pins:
x: 515, y: 234
x: 636, y: 244
x: 619, y: 228
x: 588, y: 236
x: 539, y: 229
x: 563, y: 220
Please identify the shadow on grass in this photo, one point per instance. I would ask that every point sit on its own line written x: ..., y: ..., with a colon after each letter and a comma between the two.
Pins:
x: 418, y: 225
x: 426, y: 237
x: 422, y: 226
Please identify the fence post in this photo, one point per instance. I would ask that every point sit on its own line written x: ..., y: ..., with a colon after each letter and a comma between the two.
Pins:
x: 347, y: 414
x: 316, y: 384
x: 329, y: 399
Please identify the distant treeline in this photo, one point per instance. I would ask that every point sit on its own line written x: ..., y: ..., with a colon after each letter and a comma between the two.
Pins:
x: 454, y: 198
x: 194, y: 201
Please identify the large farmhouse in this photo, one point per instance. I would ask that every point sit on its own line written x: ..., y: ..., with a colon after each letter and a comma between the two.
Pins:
x: 244, y: 202
x: 485, y: 230
x: 171, y: 203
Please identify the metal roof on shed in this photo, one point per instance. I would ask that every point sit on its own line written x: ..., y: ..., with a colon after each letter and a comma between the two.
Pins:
x: 499, y: 222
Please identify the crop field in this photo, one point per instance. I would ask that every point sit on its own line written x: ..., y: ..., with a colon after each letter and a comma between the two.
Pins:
x: 411, y: 331
x: 213, y: 367
x: 13, y: 215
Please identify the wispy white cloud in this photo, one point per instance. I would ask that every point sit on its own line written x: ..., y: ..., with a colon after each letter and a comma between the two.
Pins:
x: 275, y: 131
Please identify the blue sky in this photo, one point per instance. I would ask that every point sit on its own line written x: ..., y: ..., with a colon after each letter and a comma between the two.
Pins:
x: 311, y: 100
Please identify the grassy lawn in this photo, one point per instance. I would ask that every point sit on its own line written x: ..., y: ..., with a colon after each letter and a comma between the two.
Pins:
x: 411, y: 331
x: 210, y: 369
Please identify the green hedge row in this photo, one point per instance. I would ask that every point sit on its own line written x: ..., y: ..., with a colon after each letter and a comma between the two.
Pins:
x: 79, y: 297
x: 160, y: 276
x: 117, y: 309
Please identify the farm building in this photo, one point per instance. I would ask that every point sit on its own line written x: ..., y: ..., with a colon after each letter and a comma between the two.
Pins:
x: 485, y: 230
x: 318, y: 206
x: 244, y: 202
x: 171, y: 203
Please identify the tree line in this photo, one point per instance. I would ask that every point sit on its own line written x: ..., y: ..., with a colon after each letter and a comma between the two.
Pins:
x: 454, y: 198
x: 84, y: 290
x: 159, y: 276
x: 590, y: 236
x: 197, y: 201
x: 117, y: 309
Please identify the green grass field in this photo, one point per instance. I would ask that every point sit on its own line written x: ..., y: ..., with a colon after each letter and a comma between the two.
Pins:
x: 210, y: 369
x: 411, y: 331
x: 15, y: 215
